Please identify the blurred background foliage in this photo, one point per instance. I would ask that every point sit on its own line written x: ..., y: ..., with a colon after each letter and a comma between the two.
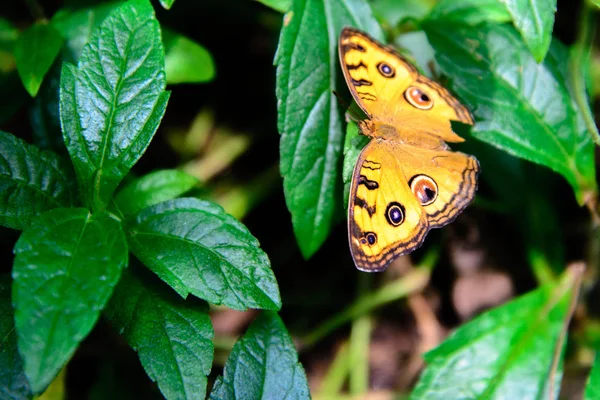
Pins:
x: 220, y: 127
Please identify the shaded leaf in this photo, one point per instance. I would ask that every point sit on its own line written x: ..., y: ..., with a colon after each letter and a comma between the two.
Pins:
x: 309, y: 116
x: 197, y: 248
x: 35, y: 51
x: 13, y: 382
x: 173, y: 337
x: 394, y: 12
x: 592, y: 389
x: 535, y: 20
x: 504, y: 353
x: 278, y: 5
x: 263, y: 365
x: 8, y: 37
x: 167, y: 4
x: 521, y: 107
x: 31, y: 182
x: 112, y: 102
x: 470, y: 12
x: 67, y: 264
x: 185, y: 60
x: 153, y: 188
x: 77, y: 26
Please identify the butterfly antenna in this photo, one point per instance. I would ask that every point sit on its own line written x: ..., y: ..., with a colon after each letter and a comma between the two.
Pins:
x: 349, y: 111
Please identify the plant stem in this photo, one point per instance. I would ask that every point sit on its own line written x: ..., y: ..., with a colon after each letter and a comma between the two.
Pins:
x: 579, y: 56
x: 360, y: 339
x: 414, y: 281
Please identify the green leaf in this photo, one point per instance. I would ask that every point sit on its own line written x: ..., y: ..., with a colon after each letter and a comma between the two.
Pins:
x: 309, y: 116
x: 67, y: 263
x: 263, y: 365
x: 173, y: 337
x: 167, y: 3
x: 13, y: 382
x: 35, y: 51
x: 153, y: 188
x: 592, y: 389
x: 471, y: 12
x: 507, y: 352
x: 391, y: 13
x: 353, y: 145
x: 77, y: 26
x: 521, y: 107
x: 112, y: 102
x: 534, y: 19
x: 31, y: 182
x: 197, y: 248
x: 185, y: 60
x: 278, y: 5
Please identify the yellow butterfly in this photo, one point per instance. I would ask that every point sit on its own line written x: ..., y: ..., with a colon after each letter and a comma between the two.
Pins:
x: 406, y: 180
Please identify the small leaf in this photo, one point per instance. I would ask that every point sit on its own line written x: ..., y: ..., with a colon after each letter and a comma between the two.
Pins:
x: 31, y: 182
x: 282, y: 6
x: 153, y: 188
x: 67, y: 264
x: 535, y: 20
x: 353, y: 145
x: 13, y: 382
x: 197, y: 248
x: 471, y: 12
x: 592, y: 389
x: 167, y: 4
x: 35, y: 51
x: 309, y: 116
x: 185, y: 60
x: 172, y: 336
x: 504, y: 353
x: 521, y: 107
x: 263, y: 365
x: 112, y: 102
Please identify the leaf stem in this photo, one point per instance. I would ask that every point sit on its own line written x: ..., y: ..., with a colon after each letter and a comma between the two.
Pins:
x: 412, y: 282
x: 579, y: 56
x: 336, y: 375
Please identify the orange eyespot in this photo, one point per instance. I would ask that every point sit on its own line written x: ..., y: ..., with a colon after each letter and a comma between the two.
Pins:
x: 418, y: 98
x: 424, y: 188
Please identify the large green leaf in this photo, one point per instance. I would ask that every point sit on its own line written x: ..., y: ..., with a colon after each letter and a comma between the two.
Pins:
x: 76, y: 28
x: 153, y: 188
x: 309, y: 116
x: 35, y: 51
x: 185, y: 60
x: 535, y: 20
x: 521, y: 107
x: 13, y: 382
x: 67, y: 263
x: 31, y: 182
x: 197, y: 248
x: 263, y: 365
x: 112, y: 102
x: 507, y: 352
x: 470, y: 12
x: 172, y: 336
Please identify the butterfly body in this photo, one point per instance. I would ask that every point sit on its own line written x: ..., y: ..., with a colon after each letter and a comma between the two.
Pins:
x: 406, y: 180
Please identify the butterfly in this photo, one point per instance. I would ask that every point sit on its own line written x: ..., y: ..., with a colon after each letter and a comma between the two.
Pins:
x: 406, y: 180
